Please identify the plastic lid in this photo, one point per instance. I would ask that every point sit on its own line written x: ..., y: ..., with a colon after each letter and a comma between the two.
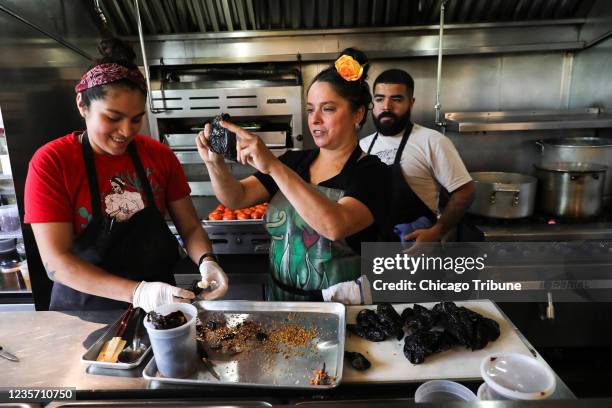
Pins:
x: 517, y: 376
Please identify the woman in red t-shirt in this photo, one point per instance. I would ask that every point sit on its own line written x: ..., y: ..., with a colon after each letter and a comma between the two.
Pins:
x: 96, y: 199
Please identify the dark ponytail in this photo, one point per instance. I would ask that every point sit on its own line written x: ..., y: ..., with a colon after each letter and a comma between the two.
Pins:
x: 356, y: 92
x: 113, y: 51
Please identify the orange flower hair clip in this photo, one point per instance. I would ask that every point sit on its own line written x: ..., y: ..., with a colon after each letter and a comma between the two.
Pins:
x: 349, y: 68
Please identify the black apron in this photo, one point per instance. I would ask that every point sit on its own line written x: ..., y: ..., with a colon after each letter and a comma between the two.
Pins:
x: 404, y: 206
x: 141, y: 248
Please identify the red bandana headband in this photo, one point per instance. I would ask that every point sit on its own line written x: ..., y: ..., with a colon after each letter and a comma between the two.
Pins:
x: 106, y: 73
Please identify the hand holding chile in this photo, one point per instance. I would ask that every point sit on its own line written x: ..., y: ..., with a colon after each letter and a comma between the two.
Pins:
x: 250, y: 149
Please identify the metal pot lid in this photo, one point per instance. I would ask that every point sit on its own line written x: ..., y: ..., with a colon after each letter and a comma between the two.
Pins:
x: 500, y: 177
x: 579, y: 142
x: 572, y: 167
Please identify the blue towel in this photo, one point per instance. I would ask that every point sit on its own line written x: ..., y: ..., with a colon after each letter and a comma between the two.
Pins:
x: 402, y: 230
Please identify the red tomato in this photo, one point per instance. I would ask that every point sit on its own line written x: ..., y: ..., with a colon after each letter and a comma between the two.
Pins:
x: 243, y: 216
x: 257, y: 215
x: 229, y: 216
x: 215, y: 216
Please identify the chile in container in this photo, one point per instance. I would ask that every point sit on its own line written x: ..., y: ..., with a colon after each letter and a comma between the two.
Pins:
x: 174, y: 348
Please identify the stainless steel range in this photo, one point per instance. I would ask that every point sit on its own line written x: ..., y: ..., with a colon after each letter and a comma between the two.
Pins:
x: 266, y: 101
x: 535, y: 228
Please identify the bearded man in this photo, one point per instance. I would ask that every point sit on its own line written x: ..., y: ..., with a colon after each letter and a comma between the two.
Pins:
x: 427, y: 159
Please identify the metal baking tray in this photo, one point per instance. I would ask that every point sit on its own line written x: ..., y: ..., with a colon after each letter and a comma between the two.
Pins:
x: 92, y: 352
x: 259, y: 368
x: 233, y: 222
x: 161, y: 404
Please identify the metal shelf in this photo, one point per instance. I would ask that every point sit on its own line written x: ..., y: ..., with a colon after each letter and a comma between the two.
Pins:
x: 589, y: 118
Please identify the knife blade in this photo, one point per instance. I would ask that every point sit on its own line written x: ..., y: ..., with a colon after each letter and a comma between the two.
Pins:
x: 8, y: 355
x: 209, y: 367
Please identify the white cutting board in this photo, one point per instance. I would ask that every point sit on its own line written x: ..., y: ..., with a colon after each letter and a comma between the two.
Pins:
x: 389, y: 365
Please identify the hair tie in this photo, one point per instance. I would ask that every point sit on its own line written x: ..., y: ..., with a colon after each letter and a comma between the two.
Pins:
x: 348, y: 68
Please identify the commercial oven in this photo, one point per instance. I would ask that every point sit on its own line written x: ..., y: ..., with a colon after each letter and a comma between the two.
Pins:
x: 266, y: 101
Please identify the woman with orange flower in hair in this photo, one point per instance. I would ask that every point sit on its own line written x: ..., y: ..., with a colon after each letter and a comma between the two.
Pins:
x: 323, y: 202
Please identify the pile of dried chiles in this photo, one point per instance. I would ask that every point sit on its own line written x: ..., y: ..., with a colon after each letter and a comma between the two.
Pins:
x: 427, y: 331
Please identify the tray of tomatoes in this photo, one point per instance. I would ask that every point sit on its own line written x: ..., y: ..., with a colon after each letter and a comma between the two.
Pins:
x: 224, y: 215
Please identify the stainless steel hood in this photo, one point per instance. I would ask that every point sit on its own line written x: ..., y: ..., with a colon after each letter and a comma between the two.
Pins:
x: 188, y: 32
x: 205, y: 16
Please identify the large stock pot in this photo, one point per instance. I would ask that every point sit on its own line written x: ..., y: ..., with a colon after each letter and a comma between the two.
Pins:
x: 592, y: 150
x: 503, y: 195
x: 567, y: 189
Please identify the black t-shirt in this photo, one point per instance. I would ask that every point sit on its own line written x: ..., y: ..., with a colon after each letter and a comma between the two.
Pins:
x: 368, y: 182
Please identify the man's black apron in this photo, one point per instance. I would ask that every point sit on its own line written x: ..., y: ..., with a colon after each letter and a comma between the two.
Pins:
x: 141, y: 248
x: 404, y: 206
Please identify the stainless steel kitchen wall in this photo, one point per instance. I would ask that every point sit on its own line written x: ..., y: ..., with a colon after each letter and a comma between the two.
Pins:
x: 499, y: 82
x: 592, y: 77
x: 591, y: 83
x: 484, y: 83
x: 38, y: 70
x: 477, y: 82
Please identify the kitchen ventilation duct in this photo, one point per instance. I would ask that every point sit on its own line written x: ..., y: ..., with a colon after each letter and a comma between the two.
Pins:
x: 162, y: 17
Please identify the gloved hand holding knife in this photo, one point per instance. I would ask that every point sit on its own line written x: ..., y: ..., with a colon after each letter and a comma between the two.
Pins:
x: 214, y: 278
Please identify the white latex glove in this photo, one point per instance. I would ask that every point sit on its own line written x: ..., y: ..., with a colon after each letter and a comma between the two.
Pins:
x: 149, y: 295
x: 213, y: 277
x: 357, y: 292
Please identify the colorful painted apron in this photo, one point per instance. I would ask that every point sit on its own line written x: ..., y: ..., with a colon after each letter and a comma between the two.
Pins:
x: 302, y: 262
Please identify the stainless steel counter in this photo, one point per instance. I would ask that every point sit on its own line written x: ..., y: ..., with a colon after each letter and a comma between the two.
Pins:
x: 50, y: 346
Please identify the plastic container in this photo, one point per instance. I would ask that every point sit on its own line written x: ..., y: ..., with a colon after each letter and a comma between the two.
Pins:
x: 9, y: 218
x: 516, y: 376
x: 175, y: 349
x: 443, y: 390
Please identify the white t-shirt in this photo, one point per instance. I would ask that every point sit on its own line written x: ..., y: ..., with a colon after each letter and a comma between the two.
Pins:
x: 428, y: 161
